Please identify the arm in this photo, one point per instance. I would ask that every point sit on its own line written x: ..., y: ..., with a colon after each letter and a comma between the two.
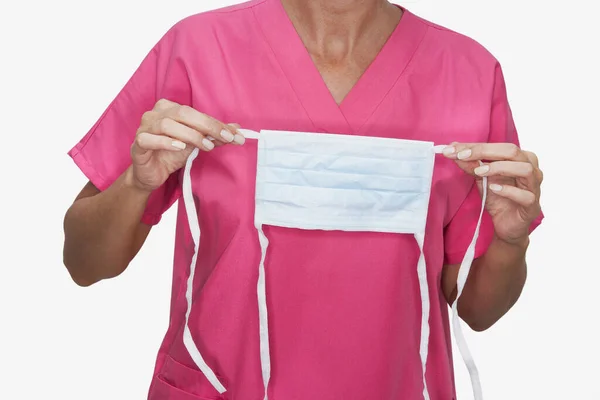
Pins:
x: 110, y: 219
x: 103, y: 231
x: 494, y: 284
x: 496, y: 279
x: 498, y: 274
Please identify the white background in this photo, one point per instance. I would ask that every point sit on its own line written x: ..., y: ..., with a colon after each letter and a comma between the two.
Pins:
x: 62, y: 62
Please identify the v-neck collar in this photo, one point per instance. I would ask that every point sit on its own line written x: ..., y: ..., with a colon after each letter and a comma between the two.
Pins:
x: 310, y: 88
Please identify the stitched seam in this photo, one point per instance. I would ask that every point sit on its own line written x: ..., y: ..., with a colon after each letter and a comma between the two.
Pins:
x: 399, y: 153
x: 282, y: 70
x: 79, y: 155
x: 408, y: 64
x: 350, y: 175
x: 247, y: 7
x: 343, y: 189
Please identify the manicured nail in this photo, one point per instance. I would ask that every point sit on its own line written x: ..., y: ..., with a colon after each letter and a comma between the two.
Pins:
x: 482, y: 170
x: 495, y: 187
x: 178, y: 144
x: 208, y: 145
x: 239, y: 139
x: 464, y: 154
x: 448, y: 151
x: 227, y: 136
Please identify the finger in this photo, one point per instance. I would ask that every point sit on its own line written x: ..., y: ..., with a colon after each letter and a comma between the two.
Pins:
x: 468, y: 166
x: 235, y: 141
x: 513, y: 169
x: 183, y: 133
x: 146, y: 141
x: 163, y: 105
x: 203, y: 123
x: 148, y: 119
x: 238, y: 138
x: 532, y: 157
x: 522, y: 197
x: 218, y: 143
x: 485, y: 151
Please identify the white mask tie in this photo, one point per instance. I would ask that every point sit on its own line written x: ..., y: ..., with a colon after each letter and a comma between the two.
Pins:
x: 398, y: 204
x: 192, y: 217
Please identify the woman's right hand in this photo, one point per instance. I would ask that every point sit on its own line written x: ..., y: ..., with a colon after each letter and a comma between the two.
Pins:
x: 166, y: 137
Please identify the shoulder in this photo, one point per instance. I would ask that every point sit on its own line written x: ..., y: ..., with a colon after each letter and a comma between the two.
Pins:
x: 226, y: 19
x: 445, y: 44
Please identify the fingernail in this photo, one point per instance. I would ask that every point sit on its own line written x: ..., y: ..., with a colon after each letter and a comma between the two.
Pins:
x: 208, y: 145
x: 178, y: 144
x: 227, y: 136
x: 239, y: 139
x: 482, y: 170
x: 448, y: 151
x: 464, y: 154
x: 495, y: 187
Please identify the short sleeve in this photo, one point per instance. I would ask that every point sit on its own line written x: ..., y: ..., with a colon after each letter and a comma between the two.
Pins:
x: 459, y: 232
x: 103, y: 154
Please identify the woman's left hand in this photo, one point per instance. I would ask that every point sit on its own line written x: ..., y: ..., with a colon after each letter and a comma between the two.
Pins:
x: 514, y: 180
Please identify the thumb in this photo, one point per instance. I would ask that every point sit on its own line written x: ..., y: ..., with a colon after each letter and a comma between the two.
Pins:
x: 468, y: 166
x: 451, y: 151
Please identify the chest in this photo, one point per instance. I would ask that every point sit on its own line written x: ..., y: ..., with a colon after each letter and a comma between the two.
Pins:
x: 392, y: 99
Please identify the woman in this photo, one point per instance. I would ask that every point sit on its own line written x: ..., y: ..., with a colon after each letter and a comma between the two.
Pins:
x: 344, y: 308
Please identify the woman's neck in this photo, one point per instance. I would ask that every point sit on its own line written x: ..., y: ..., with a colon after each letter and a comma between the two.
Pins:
x: 335, y: 28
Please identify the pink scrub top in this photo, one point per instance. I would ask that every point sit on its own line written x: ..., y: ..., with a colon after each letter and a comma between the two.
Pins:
x: 344, y: 307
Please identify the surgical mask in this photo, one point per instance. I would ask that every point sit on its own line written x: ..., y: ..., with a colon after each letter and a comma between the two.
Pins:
x: 317, y: 181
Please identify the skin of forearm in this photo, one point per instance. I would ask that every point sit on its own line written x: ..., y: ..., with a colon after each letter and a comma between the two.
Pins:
x: 494, y: 285
x: 100, y: 231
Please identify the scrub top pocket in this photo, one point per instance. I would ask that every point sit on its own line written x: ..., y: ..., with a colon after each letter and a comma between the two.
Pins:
x: 176, y: 381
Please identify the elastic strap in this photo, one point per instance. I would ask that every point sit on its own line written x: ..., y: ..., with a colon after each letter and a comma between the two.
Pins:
x: 248, y: 134
x: 425, y: 306
x: 261, y: 290
x: 463, y: 273
x: 192, y: 217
